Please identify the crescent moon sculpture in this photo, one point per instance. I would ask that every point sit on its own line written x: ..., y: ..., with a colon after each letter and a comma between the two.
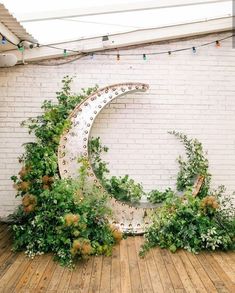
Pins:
x: 74, y: 144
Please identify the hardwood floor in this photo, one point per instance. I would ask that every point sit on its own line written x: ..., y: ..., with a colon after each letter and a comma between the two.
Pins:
x: 159, y: 271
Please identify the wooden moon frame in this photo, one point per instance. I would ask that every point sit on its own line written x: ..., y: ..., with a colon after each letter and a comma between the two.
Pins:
x: 74, y: 144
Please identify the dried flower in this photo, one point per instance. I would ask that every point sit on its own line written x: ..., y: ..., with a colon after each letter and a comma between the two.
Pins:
x: 86, y: 248
x: 68, y: 219
x: 29, y: 199
x: 77, y: 244
x: 45, y: 179
x: 209, y: 204
x: 117, y: 234
x: 29, y: 202
x: 45, y: 187
x: 30, y: 208
x: 24, y: 171
x: 23, y: 186
x: 71, y: 219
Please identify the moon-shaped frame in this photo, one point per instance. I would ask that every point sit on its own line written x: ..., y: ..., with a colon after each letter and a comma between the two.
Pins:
x: 74, y: 144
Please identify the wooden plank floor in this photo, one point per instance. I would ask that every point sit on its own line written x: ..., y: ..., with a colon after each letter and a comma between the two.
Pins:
x: 159, y: 271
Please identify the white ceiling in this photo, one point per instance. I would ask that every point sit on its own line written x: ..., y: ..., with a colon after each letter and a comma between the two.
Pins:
x: 61, y: 30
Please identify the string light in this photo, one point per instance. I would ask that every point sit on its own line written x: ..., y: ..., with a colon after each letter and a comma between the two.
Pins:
x: 33, y: 45
x: 20, y: 47
x: 217, y: 44
x: 4, y: 40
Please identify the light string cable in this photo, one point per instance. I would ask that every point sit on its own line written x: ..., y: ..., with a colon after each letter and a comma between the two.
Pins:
x: 80, y: 54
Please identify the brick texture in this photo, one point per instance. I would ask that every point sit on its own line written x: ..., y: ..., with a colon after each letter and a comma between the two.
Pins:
x: 191, y: 93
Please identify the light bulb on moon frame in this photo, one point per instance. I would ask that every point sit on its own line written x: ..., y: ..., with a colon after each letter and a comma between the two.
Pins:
x: 74, y: 145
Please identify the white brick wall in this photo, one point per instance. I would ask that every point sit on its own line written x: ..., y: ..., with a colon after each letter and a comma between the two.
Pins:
x: 192, y: 93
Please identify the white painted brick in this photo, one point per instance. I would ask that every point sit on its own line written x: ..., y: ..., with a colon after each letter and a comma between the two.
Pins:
x: 192, y: 93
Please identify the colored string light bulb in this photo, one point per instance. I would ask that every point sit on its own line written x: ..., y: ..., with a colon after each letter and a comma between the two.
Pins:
x: 169, y: 52
x: 194, y: 49
x: 4, y: 40
x: 20, y: 47
x: 217, y: 44
x: 92, y: 56
x: 144, y: 57
x: 65, y: 53
x: 118, y: 57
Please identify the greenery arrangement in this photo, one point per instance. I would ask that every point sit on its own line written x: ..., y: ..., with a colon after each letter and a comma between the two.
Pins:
x: 122, y: 188
x: 195, y: 164
x: 65, y: 217
x: 70, y: 218
x: 127, y: 190
x: 40, y: 167
x: 100, y: 167
x: 156, y: 196
x: 67, y: 222
x: 206, y: 221
x: 193, y: 223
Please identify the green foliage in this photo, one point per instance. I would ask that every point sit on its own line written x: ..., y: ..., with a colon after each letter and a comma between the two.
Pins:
x: 40, y: 157
x: 124, y: 189
x: 195, y: 165
x: 70, y: 218
x: 184, y: 223
x: 66, y: 222
x: 65, y: 217
x: 156, y: 196
x: 95, y: 151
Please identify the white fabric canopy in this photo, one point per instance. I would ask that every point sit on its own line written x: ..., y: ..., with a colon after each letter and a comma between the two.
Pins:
x: 51, y: 31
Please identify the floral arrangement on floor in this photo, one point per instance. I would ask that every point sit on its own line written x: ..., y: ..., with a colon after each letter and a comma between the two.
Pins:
x: 70, y: 218
x: 66, y: 217
x: 127, y: 190
x: 202, y: 222
x: 193, y: 222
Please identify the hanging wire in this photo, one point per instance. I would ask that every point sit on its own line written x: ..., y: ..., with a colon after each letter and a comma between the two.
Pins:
x: 81, y: 54
x: 75, y: 58
x: 168, y: 51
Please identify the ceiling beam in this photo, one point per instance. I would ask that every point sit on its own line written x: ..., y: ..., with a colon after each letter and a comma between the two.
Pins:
x: 8, y: 34
x: 109, y: 9
x: 129, y: 38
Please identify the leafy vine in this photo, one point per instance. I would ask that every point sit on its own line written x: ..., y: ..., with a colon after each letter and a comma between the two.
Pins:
x: 70, y: 219
x: 64, y: 217
x: 126, y: 189
x: 196, y: 165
